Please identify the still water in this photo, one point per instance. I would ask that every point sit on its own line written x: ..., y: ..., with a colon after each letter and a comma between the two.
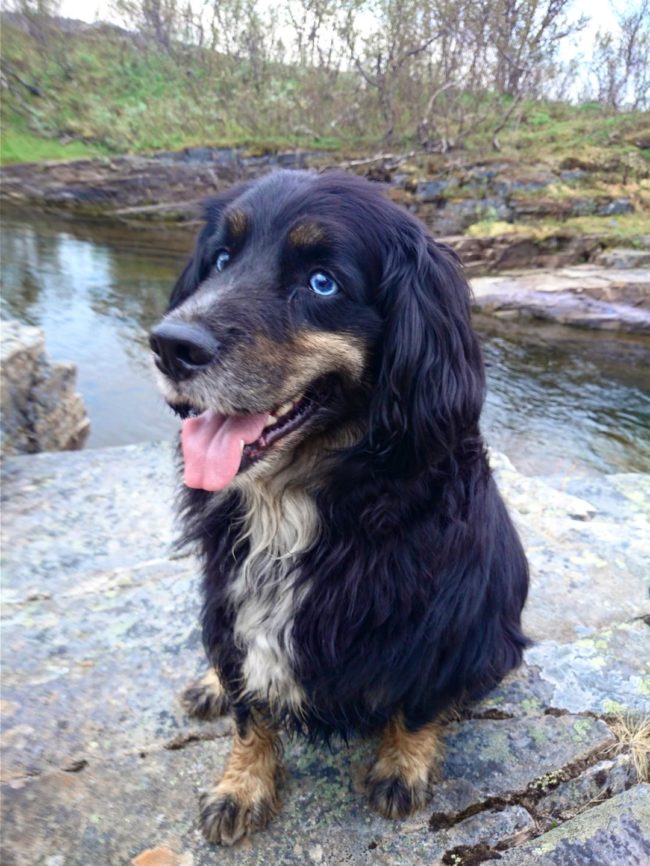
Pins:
x: 560, y: 400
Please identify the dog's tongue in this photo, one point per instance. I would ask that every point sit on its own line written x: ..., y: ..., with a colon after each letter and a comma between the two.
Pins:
x: 212, y: 447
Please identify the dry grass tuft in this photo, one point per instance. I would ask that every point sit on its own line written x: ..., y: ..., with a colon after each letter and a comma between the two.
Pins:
x: 633, y: 736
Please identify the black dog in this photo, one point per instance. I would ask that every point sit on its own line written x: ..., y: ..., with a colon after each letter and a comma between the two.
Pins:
x: 361, y: 570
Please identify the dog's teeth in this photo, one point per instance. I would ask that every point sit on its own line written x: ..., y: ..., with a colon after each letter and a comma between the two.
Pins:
x: 241, y: 446
x: 286, y: 407
x: 270, y: 421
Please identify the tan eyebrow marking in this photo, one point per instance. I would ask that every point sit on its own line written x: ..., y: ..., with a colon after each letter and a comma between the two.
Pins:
x: 237, y: 223
x: 306, y: 235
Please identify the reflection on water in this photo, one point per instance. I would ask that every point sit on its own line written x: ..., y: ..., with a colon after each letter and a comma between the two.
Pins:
x: 559, y: 399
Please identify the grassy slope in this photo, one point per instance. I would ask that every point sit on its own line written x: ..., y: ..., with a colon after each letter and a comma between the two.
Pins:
x: 106, y: 92
x: 113, y: 95
x: 19, y: 144
x: 102, y: 93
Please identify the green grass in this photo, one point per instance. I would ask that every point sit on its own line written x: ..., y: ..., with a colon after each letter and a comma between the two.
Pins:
x: 20, y: 145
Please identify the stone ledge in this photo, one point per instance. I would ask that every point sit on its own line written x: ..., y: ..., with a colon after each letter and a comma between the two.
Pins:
x: 101, y: 765
x: 583, y: 296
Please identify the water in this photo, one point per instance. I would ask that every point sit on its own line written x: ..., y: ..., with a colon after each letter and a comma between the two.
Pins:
x: 560, y: 400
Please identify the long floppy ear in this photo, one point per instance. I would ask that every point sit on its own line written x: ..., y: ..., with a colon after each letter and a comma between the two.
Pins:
x: 431, y: 380
x: 198, y: 266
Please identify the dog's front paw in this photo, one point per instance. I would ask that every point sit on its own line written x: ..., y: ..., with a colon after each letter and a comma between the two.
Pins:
x: 227, y: 816
x: 394, y: 797
x: 206, y: 699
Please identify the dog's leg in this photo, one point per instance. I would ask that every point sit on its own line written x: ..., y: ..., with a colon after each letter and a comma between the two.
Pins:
x: 207, y: 698
x: 401, y: 778
x: 246, y: 797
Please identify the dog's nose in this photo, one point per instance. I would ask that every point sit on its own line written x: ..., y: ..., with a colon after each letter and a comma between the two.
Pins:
x: 181, y: 348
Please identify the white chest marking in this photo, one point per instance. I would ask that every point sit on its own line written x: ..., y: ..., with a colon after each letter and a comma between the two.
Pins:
x: 277, y: 527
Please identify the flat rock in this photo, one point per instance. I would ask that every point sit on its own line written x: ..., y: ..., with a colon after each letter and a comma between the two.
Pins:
x: 133, y: 803
x: 619, y: 257
x: 607, y: 673
x: 587, y: 296
x: 589, y: 554
x: 490, y: 759
x: 615, y: 833
x: 98, y: 673
x: 595, y: 784
x: 100, y: 633
x: 73, y: 514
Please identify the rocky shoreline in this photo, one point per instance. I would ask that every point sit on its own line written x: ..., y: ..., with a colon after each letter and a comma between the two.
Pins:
x: 101, y: 765
x: 449, y: 196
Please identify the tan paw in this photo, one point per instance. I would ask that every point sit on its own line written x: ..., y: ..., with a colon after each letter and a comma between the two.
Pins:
x: 393, y: 797
x: 226, y: 817
x: 246, y: 797
x: 401, y: 780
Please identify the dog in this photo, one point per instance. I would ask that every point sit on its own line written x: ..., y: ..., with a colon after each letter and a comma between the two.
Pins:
x: 361, y: 572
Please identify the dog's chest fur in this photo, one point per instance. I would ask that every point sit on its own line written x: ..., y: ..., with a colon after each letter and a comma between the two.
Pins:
x: 279, y: 524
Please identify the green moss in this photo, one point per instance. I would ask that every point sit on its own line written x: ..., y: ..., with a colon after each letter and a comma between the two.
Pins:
x: 630, y: 229
x: 582, y: 728
x: 612, y: 707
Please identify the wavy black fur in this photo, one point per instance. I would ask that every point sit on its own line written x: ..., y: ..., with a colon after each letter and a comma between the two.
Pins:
x: 417, y: 579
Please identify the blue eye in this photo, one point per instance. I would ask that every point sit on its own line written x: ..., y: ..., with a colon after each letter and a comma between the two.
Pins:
x: 223, y: 257
x: 322, y: 284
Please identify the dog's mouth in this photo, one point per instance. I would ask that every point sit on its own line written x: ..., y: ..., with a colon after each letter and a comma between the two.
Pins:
x: 217, y: 447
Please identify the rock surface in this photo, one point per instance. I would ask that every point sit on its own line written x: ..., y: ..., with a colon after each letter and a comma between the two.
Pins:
x: 41, y: 411
x: 586, y: 296
x: 502, y: 252
x: 615, y: 832
x: 623, y: 258
x: 100, y: 633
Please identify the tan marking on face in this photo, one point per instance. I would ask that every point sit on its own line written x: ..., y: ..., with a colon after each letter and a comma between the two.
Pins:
x: 248, y: 787
x: 237, y: 224
x: 321, y: 352
x: 307, y: 235
x: 263, y: 374
x: 281, y: 371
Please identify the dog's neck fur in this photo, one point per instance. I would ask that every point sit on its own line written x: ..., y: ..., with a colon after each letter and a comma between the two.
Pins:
x: 280, y: 517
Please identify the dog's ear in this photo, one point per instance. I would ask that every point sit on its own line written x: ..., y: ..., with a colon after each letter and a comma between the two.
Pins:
x: 431, y: 379
x: 197, y: 268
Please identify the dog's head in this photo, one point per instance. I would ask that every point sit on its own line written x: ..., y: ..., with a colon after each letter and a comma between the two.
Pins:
x: 312, y: 307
